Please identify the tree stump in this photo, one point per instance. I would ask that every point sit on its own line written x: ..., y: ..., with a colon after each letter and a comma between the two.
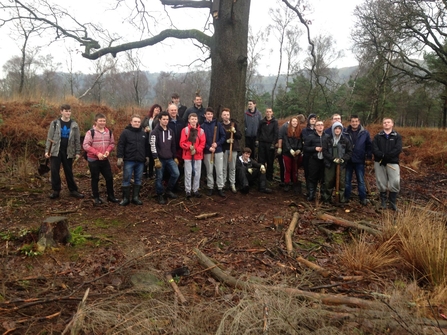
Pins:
x: 52, y: 231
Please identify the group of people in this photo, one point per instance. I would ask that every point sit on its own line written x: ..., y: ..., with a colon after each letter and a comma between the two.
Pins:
x: 184, y: 141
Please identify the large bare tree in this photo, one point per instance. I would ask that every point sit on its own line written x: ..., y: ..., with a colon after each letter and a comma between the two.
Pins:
x: 226, y: 44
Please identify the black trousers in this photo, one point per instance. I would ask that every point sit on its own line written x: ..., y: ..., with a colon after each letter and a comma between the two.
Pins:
x: 250, y: 143
x: 316, y: 172
x: 266, y: 155
x: 67, y: 165
x: 101, y: 167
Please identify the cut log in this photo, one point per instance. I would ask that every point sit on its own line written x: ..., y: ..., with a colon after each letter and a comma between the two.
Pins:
x: 52, y: 231
x: 346, y: 223
x: 289, y: 233
x: 324, y: 298
x: 325, y: 273
x: 175, y: 288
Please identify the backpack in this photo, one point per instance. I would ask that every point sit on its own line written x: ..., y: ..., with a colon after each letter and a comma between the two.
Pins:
x: 92, y: 131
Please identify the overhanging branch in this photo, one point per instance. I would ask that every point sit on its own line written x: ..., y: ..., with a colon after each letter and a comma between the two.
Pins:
x: 173, y: 33
x: 186, y: 4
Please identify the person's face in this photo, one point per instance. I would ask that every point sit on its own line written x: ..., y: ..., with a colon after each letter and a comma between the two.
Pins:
x: 176, y: 100
x: 164, y: 120
x: 268, y: 114
x: 209, y: 116
x: 251, y: 105
x: 336, y: 118
x: 172, y: 110
x: 101, y: 123
x: 312, y: 121
x: 294, y: 123
x: 337, y: 131
x: 198, y: 101
x: 66, y: 113
x: 135, y: 122
x: 193, y: 121
x: 355, y: 123
x: 156, y: 111
x: 388, y: 124
x: 245, y: 156
x: 319, y: 126
x: 226, y: 116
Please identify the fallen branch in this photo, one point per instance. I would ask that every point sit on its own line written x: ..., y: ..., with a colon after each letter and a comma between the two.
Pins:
x: 76, y: 322
x: 346, y: 223
x: 313, y: 266
x: 408, y: 168
x: 205, y: 216
x: 324, y: 298
x: 175, y: 288
x: 289, y: 233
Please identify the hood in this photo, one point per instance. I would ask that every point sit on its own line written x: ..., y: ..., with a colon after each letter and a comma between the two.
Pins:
x: 310, y: 117
x: 335, y: 125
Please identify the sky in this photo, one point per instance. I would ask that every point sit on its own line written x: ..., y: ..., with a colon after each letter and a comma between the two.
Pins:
x: 328, y: 17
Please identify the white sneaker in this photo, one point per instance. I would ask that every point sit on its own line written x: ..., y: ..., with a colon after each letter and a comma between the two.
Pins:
x: 233, y: 189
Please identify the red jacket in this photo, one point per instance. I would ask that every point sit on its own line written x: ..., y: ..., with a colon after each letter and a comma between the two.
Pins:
x: 199, y: 144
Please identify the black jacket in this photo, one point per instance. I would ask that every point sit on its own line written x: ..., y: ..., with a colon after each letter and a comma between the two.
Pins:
x: 133, y: 144
x: 162, y: 143
x: 236, y: 136
x: 343, y: 147
x: 388, y: 148
x: 268, y: 131
x: 312, y: 141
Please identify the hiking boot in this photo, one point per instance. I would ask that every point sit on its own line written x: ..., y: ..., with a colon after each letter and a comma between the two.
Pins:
x: 111, y: 198
x: 171, y: 195
x: 233, y: 189
x: 54, y: 195
x: 210, y: 192
x: 221, y: 193
x: 197, y: 194
x: 188, y: 195
x: 97, y: 201
x: 76, y: 194
x: 364, y: 202
x: 160, y: 199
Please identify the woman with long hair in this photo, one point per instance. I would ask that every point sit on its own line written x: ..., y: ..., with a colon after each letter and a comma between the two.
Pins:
x: 291, y: 149
x: 149, y: 123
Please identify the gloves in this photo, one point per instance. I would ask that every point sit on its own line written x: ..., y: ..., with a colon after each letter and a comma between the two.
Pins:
x: 297, y: 152
x: 230, y: 140
x: 233, y: 130
x: 119, y: 162
x: 157, y: 163
x: 292, y: 152
x: 146, y: 161
x: 193, y: 150
x: 176, y: 161
x: 262, y: 169
x: 250, y: 170
x: 279, y: 151
x: 256, y: 144
x: 338, y: 161
x: 272, y: 147
x: 384, y: 161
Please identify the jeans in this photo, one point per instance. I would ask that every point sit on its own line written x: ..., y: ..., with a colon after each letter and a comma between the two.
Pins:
x: 359, y: 169
x: 135, y: 168
x: 174, y: 173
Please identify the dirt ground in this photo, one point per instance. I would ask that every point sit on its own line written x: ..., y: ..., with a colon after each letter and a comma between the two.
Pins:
x: 40, y: 294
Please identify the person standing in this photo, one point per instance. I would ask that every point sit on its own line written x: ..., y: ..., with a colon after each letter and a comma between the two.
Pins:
x: 133, y: 152
x: 335, y: 118
x: 313, y: 147
x: 98, y: 143
x: 252, y: 119
x: 361, y: 151
x: 163, y: 149
x: 65, y: 135
x: 233, y: 135
x: 291, y: 153
x: 215, y: 138
x: 386, y: 147
x: 306, y: 132
x: 181, y: 109
x: 197, y: 108
x: 192, y: 142
x: 266, y: 139
x: 149, y: 123
x: 337, y: 150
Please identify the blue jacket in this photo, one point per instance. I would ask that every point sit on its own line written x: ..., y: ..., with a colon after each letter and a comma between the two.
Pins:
x: 208, y: 128
x: 362, y: 148
x: 252, y: 121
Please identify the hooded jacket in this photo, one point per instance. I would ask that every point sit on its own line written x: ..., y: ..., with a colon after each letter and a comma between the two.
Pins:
x: 208, y: 127
x: 74, y: 139
x: 163, y: 143
x: 133, y: 144
x: 252, y: 121
x: 335, y: 147
x: 195, y: 137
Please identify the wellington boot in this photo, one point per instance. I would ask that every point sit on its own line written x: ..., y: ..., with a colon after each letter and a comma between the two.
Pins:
x: 136, y: 195
x: 126, y: 196
x: 383, y: 200
x: 392, y: 199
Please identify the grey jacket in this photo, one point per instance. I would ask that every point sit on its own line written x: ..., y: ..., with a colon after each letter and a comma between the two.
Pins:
x: 74, y: 141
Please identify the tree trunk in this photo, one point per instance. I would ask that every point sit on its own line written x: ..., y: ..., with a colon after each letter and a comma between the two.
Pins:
x: 229, y: 58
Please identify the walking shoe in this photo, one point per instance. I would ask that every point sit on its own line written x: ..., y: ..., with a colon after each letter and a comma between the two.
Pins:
x: 188, y: 195
x: 221, y: 193
x: 160, y: 199
x: 54, y: 195
x: 171, y: 195
x: 111, y: 198
x: 210, y: 192
x: 97, y: 201
x: 76, y: 194
x: 233, y: 189
x: 197, y: 194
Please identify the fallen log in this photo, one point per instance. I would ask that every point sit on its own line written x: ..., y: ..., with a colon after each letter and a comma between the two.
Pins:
x: 325, y: 273
x: 205, y: 216
x: 289, y: 233
x: 346, y: 223
x: 324, y: 298
x: 175, y: 288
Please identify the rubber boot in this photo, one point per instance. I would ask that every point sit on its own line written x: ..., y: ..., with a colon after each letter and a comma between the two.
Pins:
x: 383, y: 200
x: 126, y: 196
x: 263, y: 184
x: 136, y: 195
x: 311, y: 193
x: 392, y: 198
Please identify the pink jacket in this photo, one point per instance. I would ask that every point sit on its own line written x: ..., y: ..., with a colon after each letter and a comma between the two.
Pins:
x: 100, y: 143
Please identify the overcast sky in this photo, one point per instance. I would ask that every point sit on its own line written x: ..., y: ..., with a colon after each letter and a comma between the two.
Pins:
x: 328, y: 17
